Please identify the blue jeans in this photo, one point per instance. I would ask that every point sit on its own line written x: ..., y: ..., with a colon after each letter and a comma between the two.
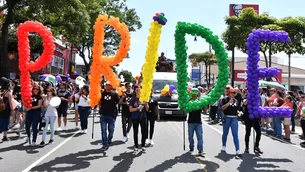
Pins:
x: 233, y: 123
x: 277, y: 126
x: 84, y: 113
x: 192, y: 127
x: 104, y: 120
x: 220, y: 114
x: 51, y: 120
x: 32, y: 119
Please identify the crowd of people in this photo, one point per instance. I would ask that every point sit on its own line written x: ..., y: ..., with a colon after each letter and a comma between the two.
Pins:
x: 42, y: 115
x: 232, y: 107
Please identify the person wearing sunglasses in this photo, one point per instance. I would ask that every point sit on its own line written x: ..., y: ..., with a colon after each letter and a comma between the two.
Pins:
x: 230, y: 108
x: 195, y: 125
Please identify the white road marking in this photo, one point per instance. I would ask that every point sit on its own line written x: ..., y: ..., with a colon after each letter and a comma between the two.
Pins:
x: 220, y: 132
x: 49, y: 153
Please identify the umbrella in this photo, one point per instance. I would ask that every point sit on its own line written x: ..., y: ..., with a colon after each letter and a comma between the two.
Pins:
x: 48, y: 78
x: 271, y: 84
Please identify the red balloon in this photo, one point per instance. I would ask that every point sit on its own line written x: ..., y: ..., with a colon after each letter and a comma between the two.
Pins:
x: 25, y: 65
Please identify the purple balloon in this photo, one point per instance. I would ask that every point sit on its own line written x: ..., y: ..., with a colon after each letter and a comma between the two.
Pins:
x: 171, y: 87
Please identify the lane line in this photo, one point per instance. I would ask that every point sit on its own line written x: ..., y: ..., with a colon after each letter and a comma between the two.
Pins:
x: 220, y: 132
x: 203, y: 166
x: 49, y: 153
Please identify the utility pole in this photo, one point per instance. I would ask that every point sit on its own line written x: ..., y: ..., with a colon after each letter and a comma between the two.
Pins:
x: 289, y: 70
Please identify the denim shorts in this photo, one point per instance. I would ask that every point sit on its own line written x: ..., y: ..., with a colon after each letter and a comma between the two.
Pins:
x: 4, y: 125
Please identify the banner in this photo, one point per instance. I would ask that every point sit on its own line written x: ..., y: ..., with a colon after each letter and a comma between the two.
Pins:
x: 241, y: 75
x: 236, y: 9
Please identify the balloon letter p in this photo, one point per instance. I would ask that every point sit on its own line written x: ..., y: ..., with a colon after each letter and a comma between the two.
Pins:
x: 254, y: 73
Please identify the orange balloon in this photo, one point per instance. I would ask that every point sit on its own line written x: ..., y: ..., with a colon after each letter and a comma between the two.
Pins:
x: 163, y: 92
x: 101, y: 65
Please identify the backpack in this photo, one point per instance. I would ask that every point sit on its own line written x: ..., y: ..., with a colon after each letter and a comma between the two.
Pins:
x: 2, y: 103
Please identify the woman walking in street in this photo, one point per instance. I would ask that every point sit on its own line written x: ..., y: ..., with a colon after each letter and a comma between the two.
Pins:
x: 6, y: 107
x: 33, y: 115
x: 152, y: 116
x: 50, y: 116
x: 84, y: 108
x: 138, y: 117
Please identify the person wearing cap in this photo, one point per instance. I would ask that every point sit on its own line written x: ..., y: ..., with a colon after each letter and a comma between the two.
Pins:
x: 33, y: 115
x: 230, y: 108
x: 195, y: 125
x: 107, y: 106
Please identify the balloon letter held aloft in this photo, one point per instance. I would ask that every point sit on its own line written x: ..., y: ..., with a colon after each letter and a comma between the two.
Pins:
x: 254, y: 73
x: 101, y: 65
x: 25, y: 65
x: 151, y: 57
x: 183, y: 28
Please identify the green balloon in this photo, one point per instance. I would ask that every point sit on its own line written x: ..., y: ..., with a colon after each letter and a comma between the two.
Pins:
x: 184, y: 102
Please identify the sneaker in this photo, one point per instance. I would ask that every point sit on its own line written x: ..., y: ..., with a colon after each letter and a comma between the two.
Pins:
x: 152, y: 143
x: 257, y: 150
x: 191, y: 150
x: 201, y: 153
x: 42, y: 143
x: 33, y: 144
x: 147, y: 142
x: 223, y: 149
x: 287, y: 139
x: 124, y: 139
x: 28, y: 140
x: 127, y: 135
x: 104, y: 148
x: 238, y: 153
x: 109, y: 142
x: 51, y: 141
x: 76, y: 128
x: 135, y: 149
x: 85, y: 131
x: 247, y: 150
x: 65, y: 127
x: 143, y: 149
x: 5, y: 139
x: 58, y: 129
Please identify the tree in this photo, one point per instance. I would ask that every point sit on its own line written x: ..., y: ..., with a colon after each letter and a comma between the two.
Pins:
x: 116, y: 8
x: 208, y: 59
x: 61, y: 16
x: 127, y: 76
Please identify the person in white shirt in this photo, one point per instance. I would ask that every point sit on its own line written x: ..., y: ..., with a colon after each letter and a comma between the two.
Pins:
x: 50, y: 116
x: 84, y: 108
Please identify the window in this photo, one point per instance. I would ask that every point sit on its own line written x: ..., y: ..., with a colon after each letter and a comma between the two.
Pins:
x: 158, y: 85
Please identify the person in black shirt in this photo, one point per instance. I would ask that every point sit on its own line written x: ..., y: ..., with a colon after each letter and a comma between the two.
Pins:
x: 62, y: 110
x: 108, y: 103
x: 152, y: 116
x: 6, y: 110
x: 230, y: 108
x: 195, y: 125
x: 249, y: 123
x: 33, y: 115
x: 126, y: 114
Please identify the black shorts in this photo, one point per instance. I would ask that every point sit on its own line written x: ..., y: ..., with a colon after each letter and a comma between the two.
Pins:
x: 62, y: 111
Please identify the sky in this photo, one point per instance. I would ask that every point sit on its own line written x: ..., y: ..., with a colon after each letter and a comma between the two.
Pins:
x: 208, y: 13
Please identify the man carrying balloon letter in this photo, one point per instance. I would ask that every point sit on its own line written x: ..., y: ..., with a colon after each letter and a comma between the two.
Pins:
x: 108, y: 103
x: 195, y: 125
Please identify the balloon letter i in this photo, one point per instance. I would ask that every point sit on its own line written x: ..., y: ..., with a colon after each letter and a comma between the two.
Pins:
x: 151, y: 57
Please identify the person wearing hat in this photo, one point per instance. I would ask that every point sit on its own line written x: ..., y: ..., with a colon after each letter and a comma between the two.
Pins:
x: 230, y: 108
x: 195, y: 125
x: 107, y: 106
x: 33, y: 115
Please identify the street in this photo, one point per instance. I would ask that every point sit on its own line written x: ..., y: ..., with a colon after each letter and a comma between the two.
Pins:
x: 73, y: 151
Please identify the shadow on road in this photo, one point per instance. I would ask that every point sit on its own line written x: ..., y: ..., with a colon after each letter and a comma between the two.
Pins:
x: 185, y: 158
x: 72, y: 162
x: 114, y: 143
x: 251, y: 162
x: 126, y: 160
x: 21, y: 147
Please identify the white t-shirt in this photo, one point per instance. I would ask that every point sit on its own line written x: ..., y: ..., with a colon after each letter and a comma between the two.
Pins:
x: 76, y: 96
x: 83, y: 102
x: 51, y: 111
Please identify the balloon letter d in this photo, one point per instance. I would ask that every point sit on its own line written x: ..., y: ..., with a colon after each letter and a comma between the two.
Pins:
x: 25, y: 65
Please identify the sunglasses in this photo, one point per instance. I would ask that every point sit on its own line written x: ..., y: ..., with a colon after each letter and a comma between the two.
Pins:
x: 233, y: 93
x: 108, y: 85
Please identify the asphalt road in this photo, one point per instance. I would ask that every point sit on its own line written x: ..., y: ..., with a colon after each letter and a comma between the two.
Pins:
x: 73, y: 151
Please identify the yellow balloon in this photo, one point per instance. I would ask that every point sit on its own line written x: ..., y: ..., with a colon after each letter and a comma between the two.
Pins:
x: 166, y: 88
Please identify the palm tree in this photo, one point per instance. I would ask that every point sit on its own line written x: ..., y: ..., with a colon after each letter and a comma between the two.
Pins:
x: 208, y: 59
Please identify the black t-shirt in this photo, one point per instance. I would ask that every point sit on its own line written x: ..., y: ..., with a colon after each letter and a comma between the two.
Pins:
x: 232, y: 108
x: 109, y: 100
x: 152, y: 104
x: 35, y: 102
x: 16, y: 92
x: 125, y: 107
x: 65, y: 94
x: 195, y: 117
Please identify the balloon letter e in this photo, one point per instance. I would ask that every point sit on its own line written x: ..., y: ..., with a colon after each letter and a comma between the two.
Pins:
x: 254, y: 73
x: 183, y: 28
x: 101, y: 64
x: 25, y: 65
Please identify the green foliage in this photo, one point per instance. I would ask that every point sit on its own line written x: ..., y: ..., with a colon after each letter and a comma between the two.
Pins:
x: 127, y: 76
x: 239, y: 28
